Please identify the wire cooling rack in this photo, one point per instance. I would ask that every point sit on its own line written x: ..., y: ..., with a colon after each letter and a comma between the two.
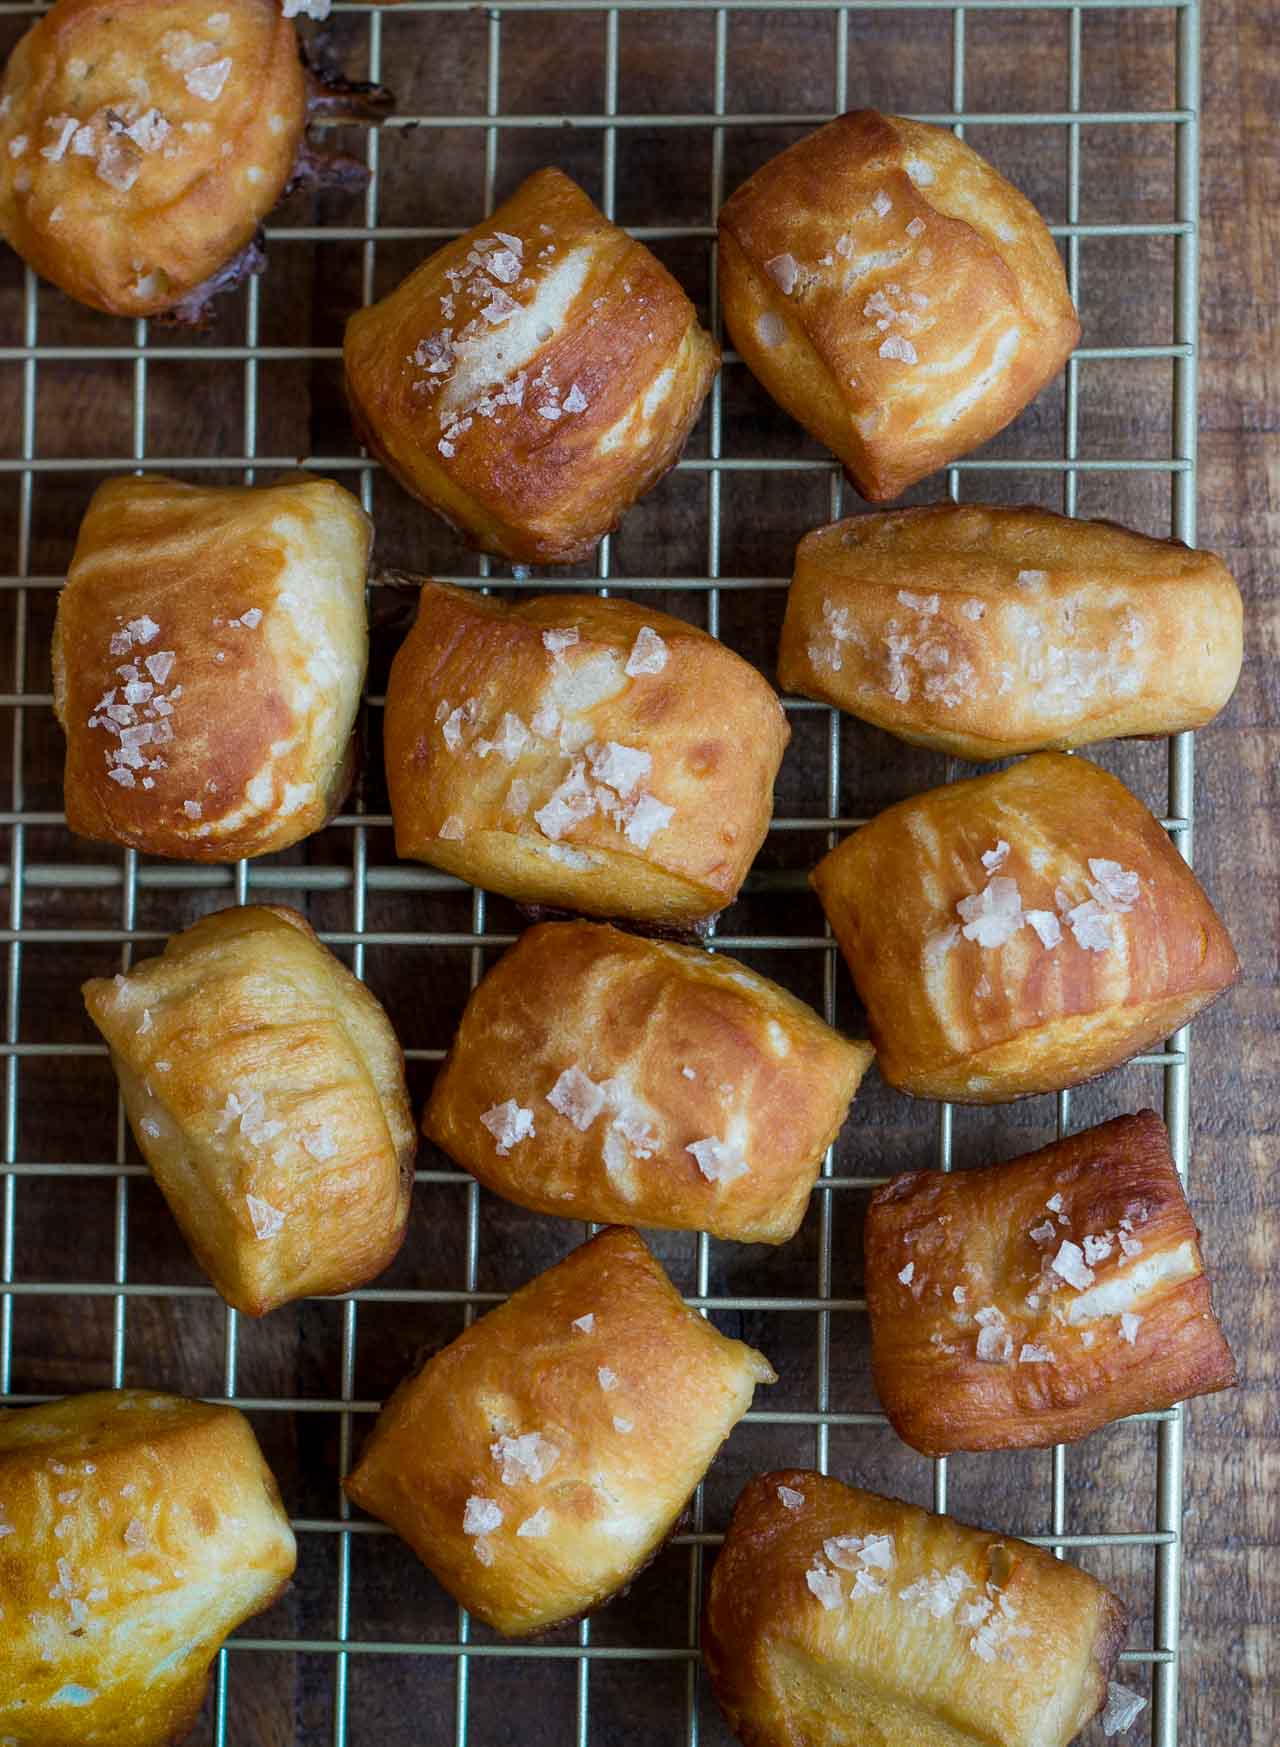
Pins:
x: 302, y: 1673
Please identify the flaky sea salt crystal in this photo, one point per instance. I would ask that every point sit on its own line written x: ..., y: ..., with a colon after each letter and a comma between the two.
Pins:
x: 1046, y: 925
x: 536, y: 1527
x: 907, y: 1274
x: 571, y: 802
x: 882, y: 203
x: 576, y: 1096
x: 648, y: 654
x: 1122, y: 1710
x: 527, y: 1457
x: 973, y: 609
x: 1069, y: 1265
x: 927, y: 604
x: 719, y: 1161
x: 1091, y: 926
x: 916, y: 228
x: 1032, y: 578
x: 844, y: 1551
x: 481, y: 1516
x: 623, y: 1425
x: 143, y: 630
x: 621, y: 768
x: 938, y: 1593
x: 320, y: 1142
x: 1096, y: 1249
x: 646, y: 819
x: 575, y: 400
x: 453, y: 830
x: 784, y: 271
x: 556, y: 641
x: 607, y: 1379
x: 1033, y: 1355
x: 789, y: 1498
x: 994, y: 859
x: 267, y: 1220
x: 824, y: 1583
x: 894, y: 346
x: 207, y: 82
x: 509, y: 1124
x: 771, y: 330
x: 994, y: 915
x: 1116, y: 888
x: 584, y: 1324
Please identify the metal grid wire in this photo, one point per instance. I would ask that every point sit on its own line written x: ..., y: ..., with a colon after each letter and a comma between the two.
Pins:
x: 247, y: 881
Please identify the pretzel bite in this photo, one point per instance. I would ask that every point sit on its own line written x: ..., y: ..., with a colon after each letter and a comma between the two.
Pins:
x: 532, y: 379
x: 265, y: 1089
x: 136, y: 1532
x: 1029, y: 1303
x: 539, y: 1461
x: 984, y: 631
x: 603, y: 1077
x: 142, y: 142
x: 208, y: 656
x: 566, y: 751
x: 1021, y: 932
x: 837, y: 1618
x: 894, y: 293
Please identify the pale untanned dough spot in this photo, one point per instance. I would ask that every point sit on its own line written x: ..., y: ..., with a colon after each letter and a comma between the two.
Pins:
x: 494, y: 356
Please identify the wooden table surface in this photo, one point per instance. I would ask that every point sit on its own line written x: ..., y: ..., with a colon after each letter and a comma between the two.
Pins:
x: 67, y: 1106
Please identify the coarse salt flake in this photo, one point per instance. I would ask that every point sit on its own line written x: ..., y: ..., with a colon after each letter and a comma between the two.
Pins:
x: 1033, y: 1355
x: 894, y: 346
x: 719, y: 1161
x: 207, y: 82
x: 1123, y: 1708
x: 1069, y: 1265
x: 622, y: 1425
x: 575, y: 400
x: 916, y: 228
x: 907, y: 1274
x: 528, y: 1457
x: 509, y: 1124
x: 1096, y: 1249
x: 584, y: 1324
x: 648, y: 654
x: 994, y: 915
x: 784, y: 271
x: 789, y: 1498
x: 621, y: 768
x: 771, y: 330
x: 919, y: 603
x: 646, y: 819
x: 576, y: 1096
x: 1129, y: 1326
x: 267, y: 1220
x: 558, y: 640
x: 882, y: 203
x: 481, y: 1516
x: 143, y: 630
x: 1046, y: 925
x: 607, y: 1379
x: 536, y: 1527
x: 824, y: 1583
x: 994, y: 859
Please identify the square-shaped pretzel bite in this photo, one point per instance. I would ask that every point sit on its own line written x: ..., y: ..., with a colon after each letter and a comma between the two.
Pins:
x: 136, y: 1531
x: 837, y: 1617
x: 532, y: 379
x: 143, y: 142
x: 894, y: 293
x: 1020, y: 932
x: 563, y: 751
x: 208, y: 656
x: 1028, y: 1303
x: 265, y: 1089
x: 544, y: 1456
x: 984, y: 630
x: 599, y: 1076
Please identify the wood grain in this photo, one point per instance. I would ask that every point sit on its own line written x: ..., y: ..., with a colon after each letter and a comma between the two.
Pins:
x: 64, y: 1227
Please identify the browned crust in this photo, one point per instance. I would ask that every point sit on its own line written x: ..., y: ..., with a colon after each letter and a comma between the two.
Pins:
x: 715, y: 770
x: 581, y: 994
x: 190, y: 231
x: 193, y: 560
x: 683, y: 1383
x: 971, y: 1229
x: 1152, y: 628
x: 812, y: 202
x: 532, y: 489
x: 756, y: 1642
x: 1047, y: 1019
